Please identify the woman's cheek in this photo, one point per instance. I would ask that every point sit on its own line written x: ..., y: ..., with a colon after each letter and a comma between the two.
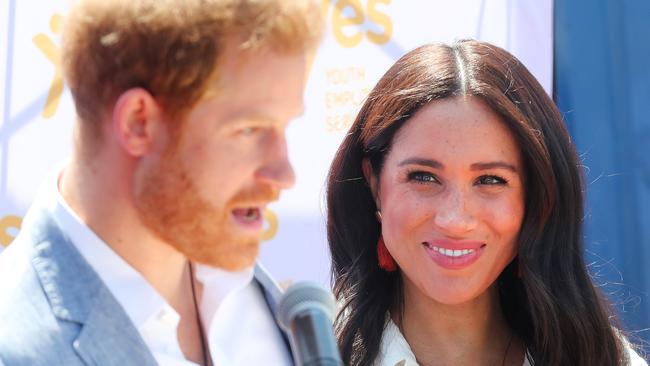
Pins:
x: 405, y: 216
x: 505, y: 218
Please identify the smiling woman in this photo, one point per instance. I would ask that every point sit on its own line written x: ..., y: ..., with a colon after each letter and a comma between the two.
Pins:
x: 451, y: 201
x: 454, y: 222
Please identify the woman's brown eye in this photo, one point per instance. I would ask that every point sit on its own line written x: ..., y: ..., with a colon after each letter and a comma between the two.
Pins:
x: 491, y: 180
x: 422, y: 177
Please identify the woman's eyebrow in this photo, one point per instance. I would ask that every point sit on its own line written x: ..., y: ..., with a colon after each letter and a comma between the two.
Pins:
x: 493, y: 165
x: 422, y: 161
x: 432, y: 163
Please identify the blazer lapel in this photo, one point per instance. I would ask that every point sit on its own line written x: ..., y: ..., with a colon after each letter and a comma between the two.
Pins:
x: 272, y: 295
x: 77, y: 294
x: 109, y: 338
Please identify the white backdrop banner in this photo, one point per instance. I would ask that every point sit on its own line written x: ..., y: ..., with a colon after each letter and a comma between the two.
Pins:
x: 364, y: 38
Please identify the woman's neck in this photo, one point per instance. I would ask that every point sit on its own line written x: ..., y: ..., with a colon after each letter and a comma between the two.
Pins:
x: 472, y: 333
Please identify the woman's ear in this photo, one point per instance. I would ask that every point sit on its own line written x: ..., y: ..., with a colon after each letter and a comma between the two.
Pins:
x: 372, y: 180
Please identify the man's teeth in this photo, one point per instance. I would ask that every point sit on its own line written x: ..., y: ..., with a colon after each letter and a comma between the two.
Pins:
x: 251, y: 213
x: 452, y: 252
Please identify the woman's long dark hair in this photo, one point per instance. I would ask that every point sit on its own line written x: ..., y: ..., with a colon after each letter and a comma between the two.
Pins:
x: 554, y: 308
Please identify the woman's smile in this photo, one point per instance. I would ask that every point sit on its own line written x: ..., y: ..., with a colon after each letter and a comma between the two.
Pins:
x: 452, y: 199
x: 454, y: 255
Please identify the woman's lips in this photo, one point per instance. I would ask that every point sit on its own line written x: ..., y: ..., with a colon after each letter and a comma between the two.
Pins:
x: 454, y: 254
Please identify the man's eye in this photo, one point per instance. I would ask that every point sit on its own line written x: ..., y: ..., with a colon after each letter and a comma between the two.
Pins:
x: 491, y: 180
x: 422, y: 177
x: 248, y: 131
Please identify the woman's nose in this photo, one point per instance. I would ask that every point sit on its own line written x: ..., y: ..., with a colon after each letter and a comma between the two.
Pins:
x: 454, y: 214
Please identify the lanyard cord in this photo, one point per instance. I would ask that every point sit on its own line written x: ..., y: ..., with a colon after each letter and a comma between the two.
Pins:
x: 207, y: 359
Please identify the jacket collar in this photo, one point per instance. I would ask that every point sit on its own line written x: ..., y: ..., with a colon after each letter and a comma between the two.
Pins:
x: 76, y: 294
x: 272, y: 294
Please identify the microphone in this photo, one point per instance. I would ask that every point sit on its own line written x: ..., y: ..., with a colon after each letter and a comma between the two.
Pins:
x: 306, y: 311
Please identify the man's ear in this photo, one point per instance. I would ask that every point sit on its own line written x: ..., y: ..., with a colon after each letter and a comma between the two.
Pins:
x: 137, y: 121
x: 372, y: 180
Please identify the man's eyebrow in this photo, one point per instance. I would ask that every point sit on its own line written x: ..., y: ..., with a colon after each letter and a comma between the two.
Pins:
x: 252, y: 116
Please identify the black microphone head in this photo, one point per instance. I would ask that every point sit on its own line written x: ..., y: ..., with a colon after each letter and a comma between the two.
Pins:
x: 304, y: 296
x: 305, y: 312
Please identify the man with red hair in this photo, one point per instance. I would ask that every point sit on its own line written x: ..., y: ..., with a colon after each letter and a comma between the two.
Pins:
x: 141, y: 250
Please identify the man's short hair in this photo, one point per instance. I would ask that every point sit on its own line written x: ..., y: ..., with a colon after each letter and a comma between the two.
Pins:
x: 171, y: 48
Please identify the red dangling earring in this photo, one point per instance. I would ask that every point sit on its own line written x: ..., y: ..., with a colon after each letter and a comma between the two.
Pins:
x: 386, y: 261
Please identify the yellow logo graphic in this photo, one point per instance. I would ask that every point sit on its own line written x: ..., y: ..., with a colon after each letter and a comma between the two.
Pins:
x: 6, y: 223
x: 53, y: 53
x: 272, y: 220
x: 351, y: 14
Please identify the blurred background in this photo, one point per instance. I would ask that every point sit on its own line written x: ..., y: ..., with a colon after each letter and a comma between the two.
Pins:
x: 592, y: 57
x: 601, y: 83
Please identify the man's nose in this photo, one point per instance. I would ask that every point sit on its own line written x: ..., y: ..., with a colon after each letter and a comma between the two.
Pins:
x: 277, y: 170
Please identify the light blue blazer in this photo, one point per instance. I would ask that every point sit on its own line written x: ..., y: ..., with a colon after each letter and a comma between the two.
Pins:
x: 55, y: 310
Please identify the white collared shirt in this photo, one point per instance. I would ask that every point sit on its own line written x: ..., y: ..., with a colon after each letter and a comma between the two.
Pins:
x: 395, y: 350
x: 240, y: 326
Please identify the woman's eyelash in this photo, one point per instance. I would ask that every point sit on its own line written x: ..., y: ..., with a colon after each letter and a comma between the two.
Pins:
x: 419, y: 176
x: 492, y: 179
x: 422, y: 177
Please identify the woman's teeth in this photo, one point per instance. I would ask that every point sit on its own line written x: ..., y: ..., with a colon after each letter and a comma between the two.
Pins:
x: 453, y: 252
